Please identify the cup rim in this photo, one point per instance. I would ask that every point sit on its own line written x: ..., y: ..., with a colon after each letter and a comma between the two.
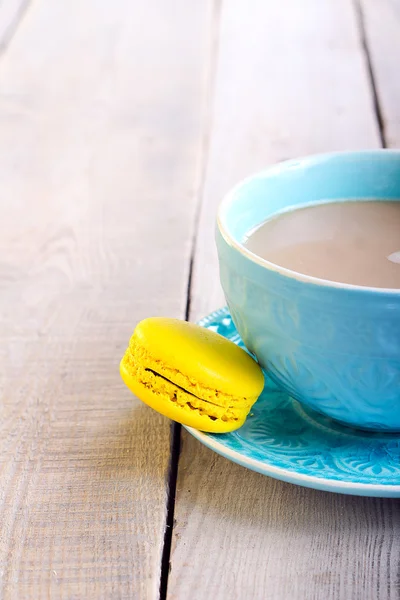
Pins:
x: 274, y: 169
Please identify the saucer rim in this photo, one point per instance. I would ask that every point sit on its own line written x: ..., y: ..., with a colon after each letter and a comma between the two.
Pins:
x: 319, y: 483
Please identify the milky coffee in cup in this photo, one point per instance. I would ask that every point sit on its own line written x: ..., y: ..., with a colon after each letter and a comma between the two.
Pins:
x: 353, y: 242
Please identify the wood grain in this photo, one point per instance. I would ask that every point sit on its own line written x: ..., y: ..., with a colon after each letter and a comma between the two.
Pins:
x: 291, y: 80
x: 101, y: 126
x: 382, y: 24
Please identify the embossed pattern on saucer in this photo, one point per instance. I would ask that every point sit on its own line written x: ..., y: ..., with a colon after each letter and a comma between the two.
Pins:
x: 287, y: 441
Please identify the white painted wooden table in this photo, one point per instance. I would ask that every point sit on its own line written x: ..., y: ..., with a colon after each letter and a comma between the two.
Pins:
x: 121, y: 126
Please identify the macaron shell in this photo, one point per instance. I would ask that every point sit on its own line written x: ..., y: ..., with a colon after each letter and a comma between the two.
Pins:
x: 161, y: 402
x: 201, y: 355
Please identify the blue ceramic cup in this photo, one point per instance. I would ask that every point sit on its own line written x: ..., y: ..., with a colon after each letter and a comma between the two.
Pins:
x: 334, y: 347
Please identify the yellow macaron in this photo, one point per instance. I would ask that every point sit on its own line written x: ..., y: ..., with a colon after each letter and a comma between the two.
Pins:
x: 191, y: 375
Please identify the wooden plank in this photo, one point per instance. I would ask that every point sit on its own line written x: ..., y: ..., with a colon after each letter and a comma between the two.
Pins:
x: 241, y: 535
x: 100, y: 117
x: 291, y: 80
x: 382, y: 24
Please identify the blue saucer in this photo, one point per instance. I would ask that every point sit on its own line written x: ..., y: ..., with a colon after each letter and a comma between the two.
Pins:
x: 285, y: 440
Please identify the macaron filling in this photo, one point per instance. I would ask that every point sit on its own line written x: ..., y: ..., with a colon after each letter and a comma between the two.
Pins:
x: 178, y: 386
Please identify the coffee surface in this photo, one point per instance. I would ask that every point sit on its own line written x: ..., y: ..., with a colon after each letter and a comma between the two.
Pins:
x: 355, y: 242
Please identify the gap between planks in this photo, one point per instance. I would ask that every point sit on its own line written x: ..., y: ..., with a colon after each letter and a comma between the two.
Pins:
x: 370, y: 72
x: 176, y: 428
